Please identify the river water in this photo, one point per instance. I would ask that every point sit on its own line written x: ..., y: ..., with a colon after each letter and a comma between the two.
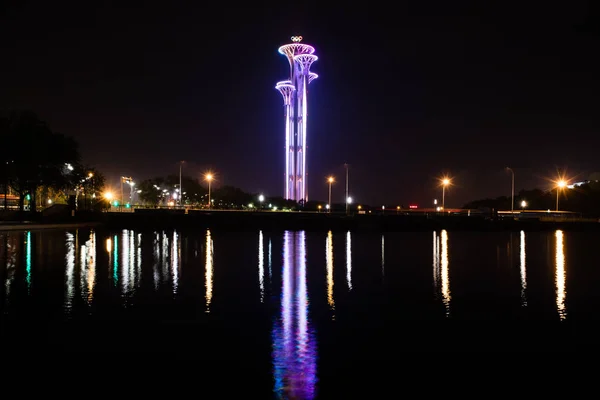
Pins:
x: 298, y: 311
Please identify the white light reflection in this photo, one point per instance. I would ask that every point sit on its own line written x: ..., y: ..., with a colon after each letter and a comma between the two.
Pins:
x: 130, y: 262
x: 445, y: 272
x: 436, y: 262
x: 349, y: 260
x: 261, y: 266
x: 156, y: 260
x: 523, y: 270
x: 139, y: 259
x: 441, y: 273
x: 87, y: 268
x: 175, y: 260
x: 294, y: 345
x: 383, y: 255
x: 209, y: 270
x: 270, y: 265
x: 125, y: 262
x: 131, y: 267
x: 164, y: 257
x: 561, y: 290
x: 69, y: 272
x: 329, y: 263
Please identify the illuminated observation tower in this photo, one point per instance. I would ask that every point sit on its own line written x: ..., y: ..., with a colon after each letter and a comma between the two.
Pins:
x: 294, y: 92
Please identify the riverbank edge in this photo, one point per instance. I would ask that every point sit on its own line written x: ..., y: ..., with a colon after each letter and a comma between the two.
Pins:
x: 34, y: 226
x: 297, y: 222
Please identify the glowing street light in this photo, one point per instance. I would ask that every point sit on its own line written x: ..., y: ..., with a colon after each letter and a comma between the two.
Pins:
x: 261, y: 198
x: 445, y: 182
x: 523, y: 204
x: 512, y: 192
x: 330, y: 180
x: 108, y: 196
x: 560, y: 185
x: 208, y: 177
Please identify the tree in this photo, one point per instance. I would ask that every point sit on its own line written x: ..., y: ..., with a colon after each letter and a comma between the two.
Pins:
x: 37, y: 155
x: 88, y: 184
x: 152, y: 191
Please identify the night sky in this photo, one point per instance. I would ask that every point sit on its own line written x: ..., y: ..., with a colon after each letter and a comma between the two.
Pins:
x: 403, y: 95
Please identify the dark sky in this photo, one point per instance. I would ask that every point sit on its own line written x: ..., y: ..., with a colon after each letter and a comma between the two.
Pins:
x: 404, y: 94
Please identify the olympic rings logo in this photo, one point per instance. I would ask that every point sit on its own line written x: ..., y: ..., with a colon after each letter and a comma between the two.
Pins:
x: 296, y: 39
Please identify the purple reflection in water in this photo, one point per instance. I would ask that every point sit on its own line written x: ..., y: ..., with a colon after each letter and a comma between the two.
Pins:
x: 294, y: 347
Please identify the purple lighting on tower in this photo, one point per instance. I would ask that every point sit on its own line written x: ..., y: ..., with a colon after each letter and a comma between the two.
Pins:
x: 295, y: 101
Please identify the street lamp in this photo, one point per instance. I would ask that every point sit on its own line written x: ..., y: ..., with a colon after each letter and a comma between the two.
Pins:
x: 347, y: 192
x: 523, y: 204
x: 209, y: 178
x: 445, y: 182
x: 512, y: 192
x: 125, y: 179
x: 330, y: 180
x: 180, y: 185
x: 560, y: 185
x: 261, y: 198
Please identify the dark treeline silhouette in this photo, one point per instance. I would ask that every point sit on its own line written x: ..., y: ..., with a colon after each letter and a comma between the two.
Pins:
x: 40, y: 166
x: 165, y: 191
x: 584, y: 199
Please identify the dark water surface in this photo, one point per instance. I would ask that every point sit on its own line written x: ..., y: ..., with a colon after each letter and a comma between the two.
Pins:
x: 297, y: 311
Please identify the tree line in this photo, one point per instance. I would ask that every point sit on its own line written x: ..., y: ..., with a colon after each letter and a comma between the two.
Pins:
x: 41, y: 166
x: 584, y: 199
x: 166, y: 191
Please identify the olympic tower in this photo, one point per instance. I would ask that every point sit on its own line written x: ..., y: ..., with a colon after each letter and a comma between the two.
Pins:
x: 294, y: 92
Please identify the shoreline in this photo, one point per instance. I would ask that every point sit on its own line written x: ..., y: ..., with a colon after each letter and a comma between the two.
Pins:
x: 279, y: 221
x: 35, y: 226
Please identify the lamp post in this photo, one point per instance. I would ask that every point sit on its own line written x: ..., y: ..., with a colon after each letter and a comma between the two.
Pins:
x: 261, y: 198
x: 445, y: 182
x: 330, y: 180
x: 347, y: 193
x: 180, y: 188
x: 512, y: 195
x: 129, y: 180
x: 523, y: 204
x: 209, y: 178
x: 561, y: 184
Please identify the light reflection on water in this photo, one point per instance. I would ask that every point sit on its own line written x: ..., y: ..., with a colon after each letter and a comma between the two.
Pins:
x: 561, y: 275
x: 441, y: 268
x: 382, y: 255
x: 70, y: 271
x: 523, y: 270
x: 28, y: 258
x: 208, y: 270
x: 87, y: 276
x: 88, y: 271
x: 175, y: 261
x: 329, y: 264
x: 294, y: 346
x: 9, y: 252
x: 349, y: 260
x: 261, y: 266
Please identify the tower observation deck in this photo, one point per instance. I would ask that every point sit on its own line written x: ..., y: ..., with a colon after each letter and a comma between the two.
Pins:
x: 295, y: 101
